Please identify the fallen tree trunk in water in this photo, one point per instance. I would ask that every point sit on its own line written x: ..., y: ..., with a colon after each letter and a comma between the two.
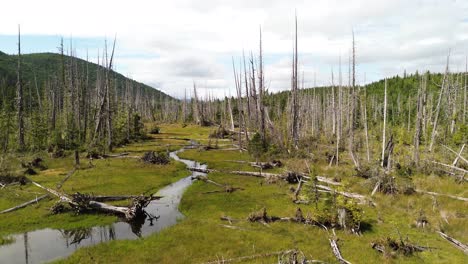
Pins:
x: 454, y: 242
x: 82, y: 202
x: 36, y: 200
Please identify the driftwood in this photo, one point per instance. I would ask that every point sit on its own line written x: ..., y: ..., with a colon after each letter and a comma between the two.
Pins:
x: 35, y: 200
x: 81, y: 203
x: 454, y: 242
x: 441, y: 194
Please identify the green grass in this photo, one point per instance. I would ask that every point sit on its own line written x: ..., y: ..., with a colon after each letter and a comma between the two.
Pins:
x: 107, y: 177
x: 201, y: 237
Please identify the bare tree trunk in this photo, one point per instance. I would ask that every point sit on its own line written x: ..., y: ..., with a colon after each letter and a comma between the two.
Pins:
x: 109, y: 110
x: 464, y: 91
x: 364, y: 110
x: 261, y: 94
x: 442, y: 90
x: 19, y: 98
x: 295, y: 117
x: 418, y: 124
x: 384, y: 123
x: 352, y: 109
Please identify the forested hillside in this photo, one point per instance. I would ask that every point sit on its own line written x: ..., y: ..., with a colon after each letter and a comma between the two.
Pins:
x: 69, y: 103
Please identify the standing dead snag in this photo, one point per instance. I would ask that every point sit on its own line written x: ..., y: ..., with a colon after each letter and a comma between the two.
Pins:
x: 294, y: 88
x: 442, y: 91
x: 384, y: 124
x: 19, y: 98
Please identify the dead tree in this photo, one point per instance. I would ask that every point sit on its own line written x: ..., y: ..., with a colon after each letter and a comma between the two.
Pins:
x: 19, y: 98
x: 418, y: 126
x: 352, y: 110
x: 442, y: 91
x: 384, y: 123
x: 261, y: 93
x: 294, y: 88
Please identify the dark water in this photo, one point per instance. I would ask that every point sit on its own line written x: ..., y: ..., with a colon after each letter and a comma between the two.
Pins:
x: 50, y: 244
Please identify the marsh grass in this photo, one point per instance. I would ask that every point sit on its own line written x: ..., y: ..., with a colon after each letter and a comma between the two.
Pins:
x: 200, y: 236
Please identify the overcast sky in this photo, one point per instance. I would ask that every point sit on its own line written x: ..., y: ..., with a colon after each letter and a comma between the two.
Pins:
x: 169, y: 44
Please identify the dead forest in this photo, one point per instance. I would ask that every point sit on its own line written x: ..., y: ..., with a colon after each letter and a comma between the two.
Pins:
x: 382, y: 133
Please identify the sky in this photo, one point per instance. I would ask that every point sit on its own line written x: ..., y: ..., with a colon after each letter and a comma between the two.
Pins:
x: 171, y: 44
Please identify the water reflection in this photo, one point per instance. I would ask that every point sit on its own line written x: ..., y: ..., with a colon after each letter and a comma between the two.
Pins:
x: 49, y: 244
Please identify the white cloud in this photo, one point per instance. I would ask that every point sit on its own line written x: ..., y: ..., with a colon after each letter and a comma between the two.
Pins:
x: 188, y: 41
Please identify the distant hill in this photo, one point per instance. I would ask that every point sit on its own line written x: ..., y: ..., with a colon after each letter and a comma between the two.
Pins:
x: 46, y: 66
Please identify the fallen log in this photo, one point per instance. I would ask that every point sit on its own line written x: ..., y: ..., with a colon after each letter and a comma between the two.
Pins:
x: 327, y: 180
x: 81, y: 202
x: 256, y: 174
x: 109, y: 198
x: 361, y: 198
x: 201, y: 170
x: 454, y: 242
x: 227, y: 188
x: 267, y: 175
x: 69, y: 174
x: 115, y: 155
x: 451, y: 167
x: 227, y: 218
x: 459, y: 156
x: 336, y: 251
x: 441, y: 194
x: 35, y: 200
x: 298, y: 189
x: 240, y: 259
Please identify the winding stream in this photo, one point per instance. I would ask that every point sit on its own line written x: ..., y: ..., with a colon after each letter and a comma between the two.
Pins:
x: 51, y: 244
